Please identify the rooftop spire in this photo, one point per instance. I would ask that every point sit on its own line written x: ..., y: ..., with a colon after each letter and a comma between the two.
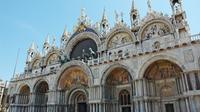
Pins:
x: 83, y: 16
x: 47, y: 39
x: 133, y: 5
x: 54, y: 42
x: 104, y: 18
x: 65, y: 33
x: 104, y: 22
x: 33, y: 46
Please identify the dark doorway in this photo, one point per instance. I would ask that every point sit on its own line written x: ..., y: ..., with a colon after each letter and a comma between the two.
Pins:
x: 126, y: 109
x: 82, y: 107
x: 169, y: 107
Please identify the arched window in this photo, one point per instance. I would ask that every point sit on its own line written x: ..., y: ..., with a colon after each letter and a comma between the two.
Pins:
x: 124, y: 98
x: 24, y: 94
x: 42, y: 93
x: 84, y: 50
x: 124, y: 101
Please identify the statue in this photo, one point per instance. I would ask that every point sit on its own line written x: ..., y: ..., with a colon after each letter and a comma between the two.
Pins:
x: 84, y: 55
x: 92, y: 53
x: 149, y: 4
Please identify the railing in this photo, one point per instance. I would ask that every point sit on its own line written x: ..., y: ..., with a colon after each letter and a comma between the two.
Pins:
x: 124, y: 52
x: 195, y: 37
x: 145, y: 47
x: 40, y: 72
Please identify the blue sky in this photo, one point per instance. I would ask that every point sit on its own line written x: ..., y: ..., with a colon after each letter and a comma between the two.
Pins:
x: 25, y: 21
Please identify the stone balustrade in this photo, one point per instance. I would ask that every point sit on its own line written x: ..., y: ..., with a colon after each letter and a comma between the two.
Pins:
x: 120, y: 53
x: 167, y: 42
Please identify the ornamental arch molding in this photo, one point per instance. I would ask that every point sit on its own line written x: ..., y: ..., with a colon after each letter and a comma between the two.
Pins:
x: 73, y: 91
x: 165, y: 23
x: 78, y: 38
x: 38, y: 82
x: 148, y: 62
x: 22, y: 85
x: 109, y: 69
x: 119, y: 30
x: 51, y: 53
x: 36, y: 62
x: 72, y: 64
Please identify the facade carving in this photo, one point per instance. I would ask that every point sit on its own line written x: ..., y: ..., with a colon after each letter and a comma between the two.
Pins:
x: 148, y: 67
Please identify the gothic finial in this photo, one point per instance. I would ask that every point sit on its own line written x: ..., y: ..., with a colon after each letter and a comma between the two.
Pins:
x: 33, y: 46
x: 104, y: 23
x: 122, y: 17
x: 47, y: 39
x: 149, y: 5
x: 117, y: 17
x: 104, y: 14
x: 83, y: 16
x: 54, y: 42
x: 65, y: 33
x: 133, y: 5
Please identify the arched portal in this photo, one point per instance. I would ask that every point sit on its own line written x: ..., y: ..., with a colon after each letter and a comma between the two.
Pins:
x: 117, y: 87
x: 78, y: 101
x: 41, y: 95
x: 72, y: 84
x: 24, y: 95
x: 163, y: 80
x: 124, y: 101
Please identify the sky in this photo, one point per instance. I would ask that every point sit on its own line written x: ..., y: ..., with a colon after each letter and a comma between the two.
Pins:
x: 25, y: 21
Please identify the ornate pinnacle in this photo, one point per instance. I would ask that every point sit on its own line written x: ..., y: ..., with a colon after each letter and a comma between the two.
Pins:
x: 149, y: 5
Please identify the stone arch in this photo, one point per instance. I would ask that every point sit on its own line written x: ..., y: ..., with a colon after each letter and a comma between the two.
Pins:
x: 78, y: 100
x: 108, y: 70
x: 119, y: 30
x: 38, y: 82
x: 35, y: 63
x: 82, y: 36
x: 148, y: 62
x: 22, y: 85
x: 154, y: 21
x: 74, y: 91
x: 81, y: 65
x: 41, y: 90
x: 25, y: 89
x: 24, y: 94
x: 51, y: 53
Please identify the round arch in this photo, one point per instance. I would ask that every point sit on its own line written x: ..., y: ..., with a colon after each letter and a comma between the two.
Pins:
x: 38, y: 82
x: 35, y: 63
x: 149, y: 23
x: 108, y: 70
x: 72, y: 64
x: 118, y: 30
x: 148, y: 62
x: 73, y: 92
x: 22, y: 85
x: 82, y: 36
x: 51, y: 53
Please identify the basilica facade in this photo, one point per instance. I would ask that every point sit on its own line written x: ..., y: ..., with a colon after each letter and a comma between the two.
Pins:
x: 153, y: 65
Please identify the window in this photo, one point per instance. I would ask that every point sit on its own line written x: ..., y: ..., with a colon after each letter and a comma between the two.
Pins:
x: 124, y: 97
